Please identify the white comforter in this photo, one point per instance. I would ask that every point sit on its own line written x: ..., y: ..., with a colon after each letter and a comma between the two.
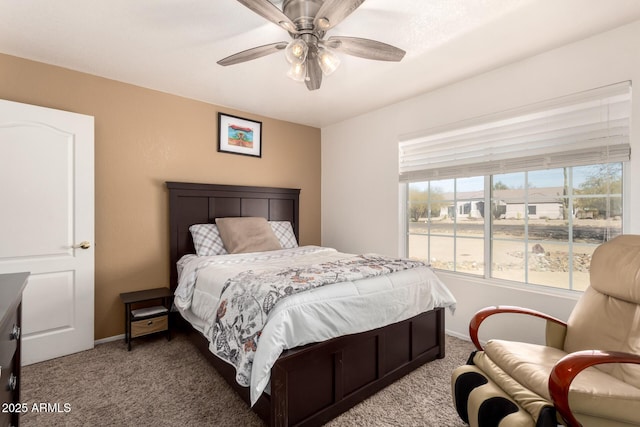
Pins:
x: 313, y: 316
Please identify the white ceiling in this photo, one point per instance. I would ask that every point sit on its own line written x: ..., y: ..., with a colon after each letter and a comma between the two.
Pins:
x: 173, y: 46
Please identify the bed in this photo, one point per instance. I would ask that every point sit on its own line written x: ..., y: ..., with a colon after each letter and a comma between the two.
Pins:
x: 313, y: 383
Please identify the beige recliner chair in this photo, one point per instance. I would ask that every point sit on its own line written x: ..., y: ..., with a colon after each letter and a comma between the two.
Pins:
x: 588, y: 373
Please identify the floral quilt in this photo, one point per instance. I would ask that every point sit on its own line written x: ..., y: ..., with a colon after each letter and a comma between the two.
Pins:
x: 247, y: 299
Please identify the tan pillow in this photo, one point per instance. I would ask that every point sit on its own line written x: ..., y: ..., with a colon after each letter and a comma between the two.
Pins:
x: 247, y: 234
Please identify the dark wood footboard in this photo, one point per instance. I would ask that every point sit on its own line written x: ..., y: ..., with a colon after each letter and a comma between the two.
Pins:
x: 311, y: 385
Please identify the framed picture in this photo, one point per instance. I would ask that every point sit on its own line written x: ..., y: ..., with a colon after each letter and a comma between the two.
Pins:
x: 239, y: 136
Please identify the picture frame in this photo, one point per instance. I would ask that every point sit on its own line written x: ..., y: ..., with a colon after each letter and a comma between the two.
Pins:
x: 237, y: 135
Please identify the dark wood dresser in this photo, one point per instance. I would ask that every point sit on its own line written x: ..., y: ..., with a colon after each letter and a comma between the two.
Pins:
x: 11, y: 287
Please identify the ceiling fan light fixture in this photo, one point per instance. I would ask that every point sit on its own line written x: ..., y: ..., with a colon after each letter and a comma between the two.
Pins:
x: 309, y: 54
x: 328, y: 60
x: 296, y: 51
x: 323, y: 23
x: 298, y: 72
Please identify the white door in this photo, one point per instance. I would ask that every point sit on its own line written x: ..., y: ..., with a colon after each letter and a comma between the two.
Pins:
x: 46, y: 212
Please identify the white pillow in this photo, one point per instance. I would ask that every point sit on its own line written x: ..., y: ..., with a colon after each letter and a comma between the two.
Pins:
x: 284, y: 232
x: 207, y: 240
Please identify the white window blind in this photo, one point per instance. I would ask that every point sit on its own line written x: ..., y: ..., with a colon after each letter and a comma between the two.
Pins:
x: 586, y: 128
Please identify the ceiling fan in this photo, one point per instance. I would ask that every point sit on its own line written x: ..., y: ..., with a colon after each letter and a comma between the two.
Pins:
x: 309, y: 54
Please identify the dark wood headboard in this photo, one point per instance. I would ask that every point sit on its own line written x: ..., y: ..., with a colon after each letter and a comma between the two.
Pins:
x: 191, y: 203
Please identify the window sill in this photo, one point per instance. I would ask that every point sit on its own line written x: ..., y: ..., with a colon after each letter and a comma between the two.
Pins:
x: 446, y: 275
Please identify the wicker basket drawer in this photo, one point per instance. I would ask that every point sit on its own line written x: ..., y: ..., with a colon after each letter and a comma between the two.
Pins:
x: 149, y: 326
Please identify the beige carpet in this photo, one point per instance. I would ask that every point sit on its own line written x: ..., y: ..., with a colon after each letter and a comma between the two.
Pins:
x: 162, y: 383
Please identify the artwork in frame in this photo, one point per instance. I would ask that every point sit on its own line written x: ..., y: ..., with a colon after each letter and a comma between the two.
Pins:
x: 239, y: 136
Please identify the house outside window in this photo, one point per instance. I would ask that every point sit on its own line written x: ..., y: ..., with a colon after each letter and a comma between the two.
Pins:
x: 525, y: 197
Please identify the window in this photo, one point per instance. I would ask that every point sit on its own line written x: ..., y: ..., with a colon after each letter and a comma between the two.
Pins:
x: 449, y: 241
x: 570, y: 212
x: 511, y: 220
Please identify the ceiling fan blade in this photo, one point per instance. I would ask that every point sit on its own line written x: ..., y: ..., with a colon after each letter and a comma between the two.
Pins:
x: 253, y: 53
x: 365, y: 48
x: 314, y: 74
x: 269, y: 11
x: 332, y: 12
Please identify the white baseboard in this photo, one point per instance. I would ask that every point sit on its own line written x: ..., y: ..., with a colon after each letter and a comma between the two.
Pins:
x: 109, y: 339
x: 457, y: 335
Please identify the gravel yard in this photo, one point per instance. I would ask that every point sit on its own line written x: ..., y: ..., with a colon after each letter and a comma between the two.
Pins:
x: 545, y: 259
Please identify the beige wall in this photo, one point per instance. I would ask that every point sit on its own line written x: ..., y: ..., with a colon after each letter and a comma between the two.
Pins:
x: 142, y: 139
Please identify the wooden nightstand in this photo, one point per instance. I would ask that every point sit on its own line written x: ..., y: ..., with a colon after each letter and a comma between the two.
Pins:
x: 141, y: 317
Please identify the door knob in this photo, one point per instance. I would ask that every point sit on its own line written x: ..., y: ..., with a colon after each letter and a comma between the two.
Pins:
x: 82, y: 245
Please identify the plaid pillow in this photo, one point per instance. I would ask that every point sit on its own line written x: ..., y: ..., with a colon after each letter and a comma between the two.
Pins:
x: 206, y: 239
x: 284, y: 233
